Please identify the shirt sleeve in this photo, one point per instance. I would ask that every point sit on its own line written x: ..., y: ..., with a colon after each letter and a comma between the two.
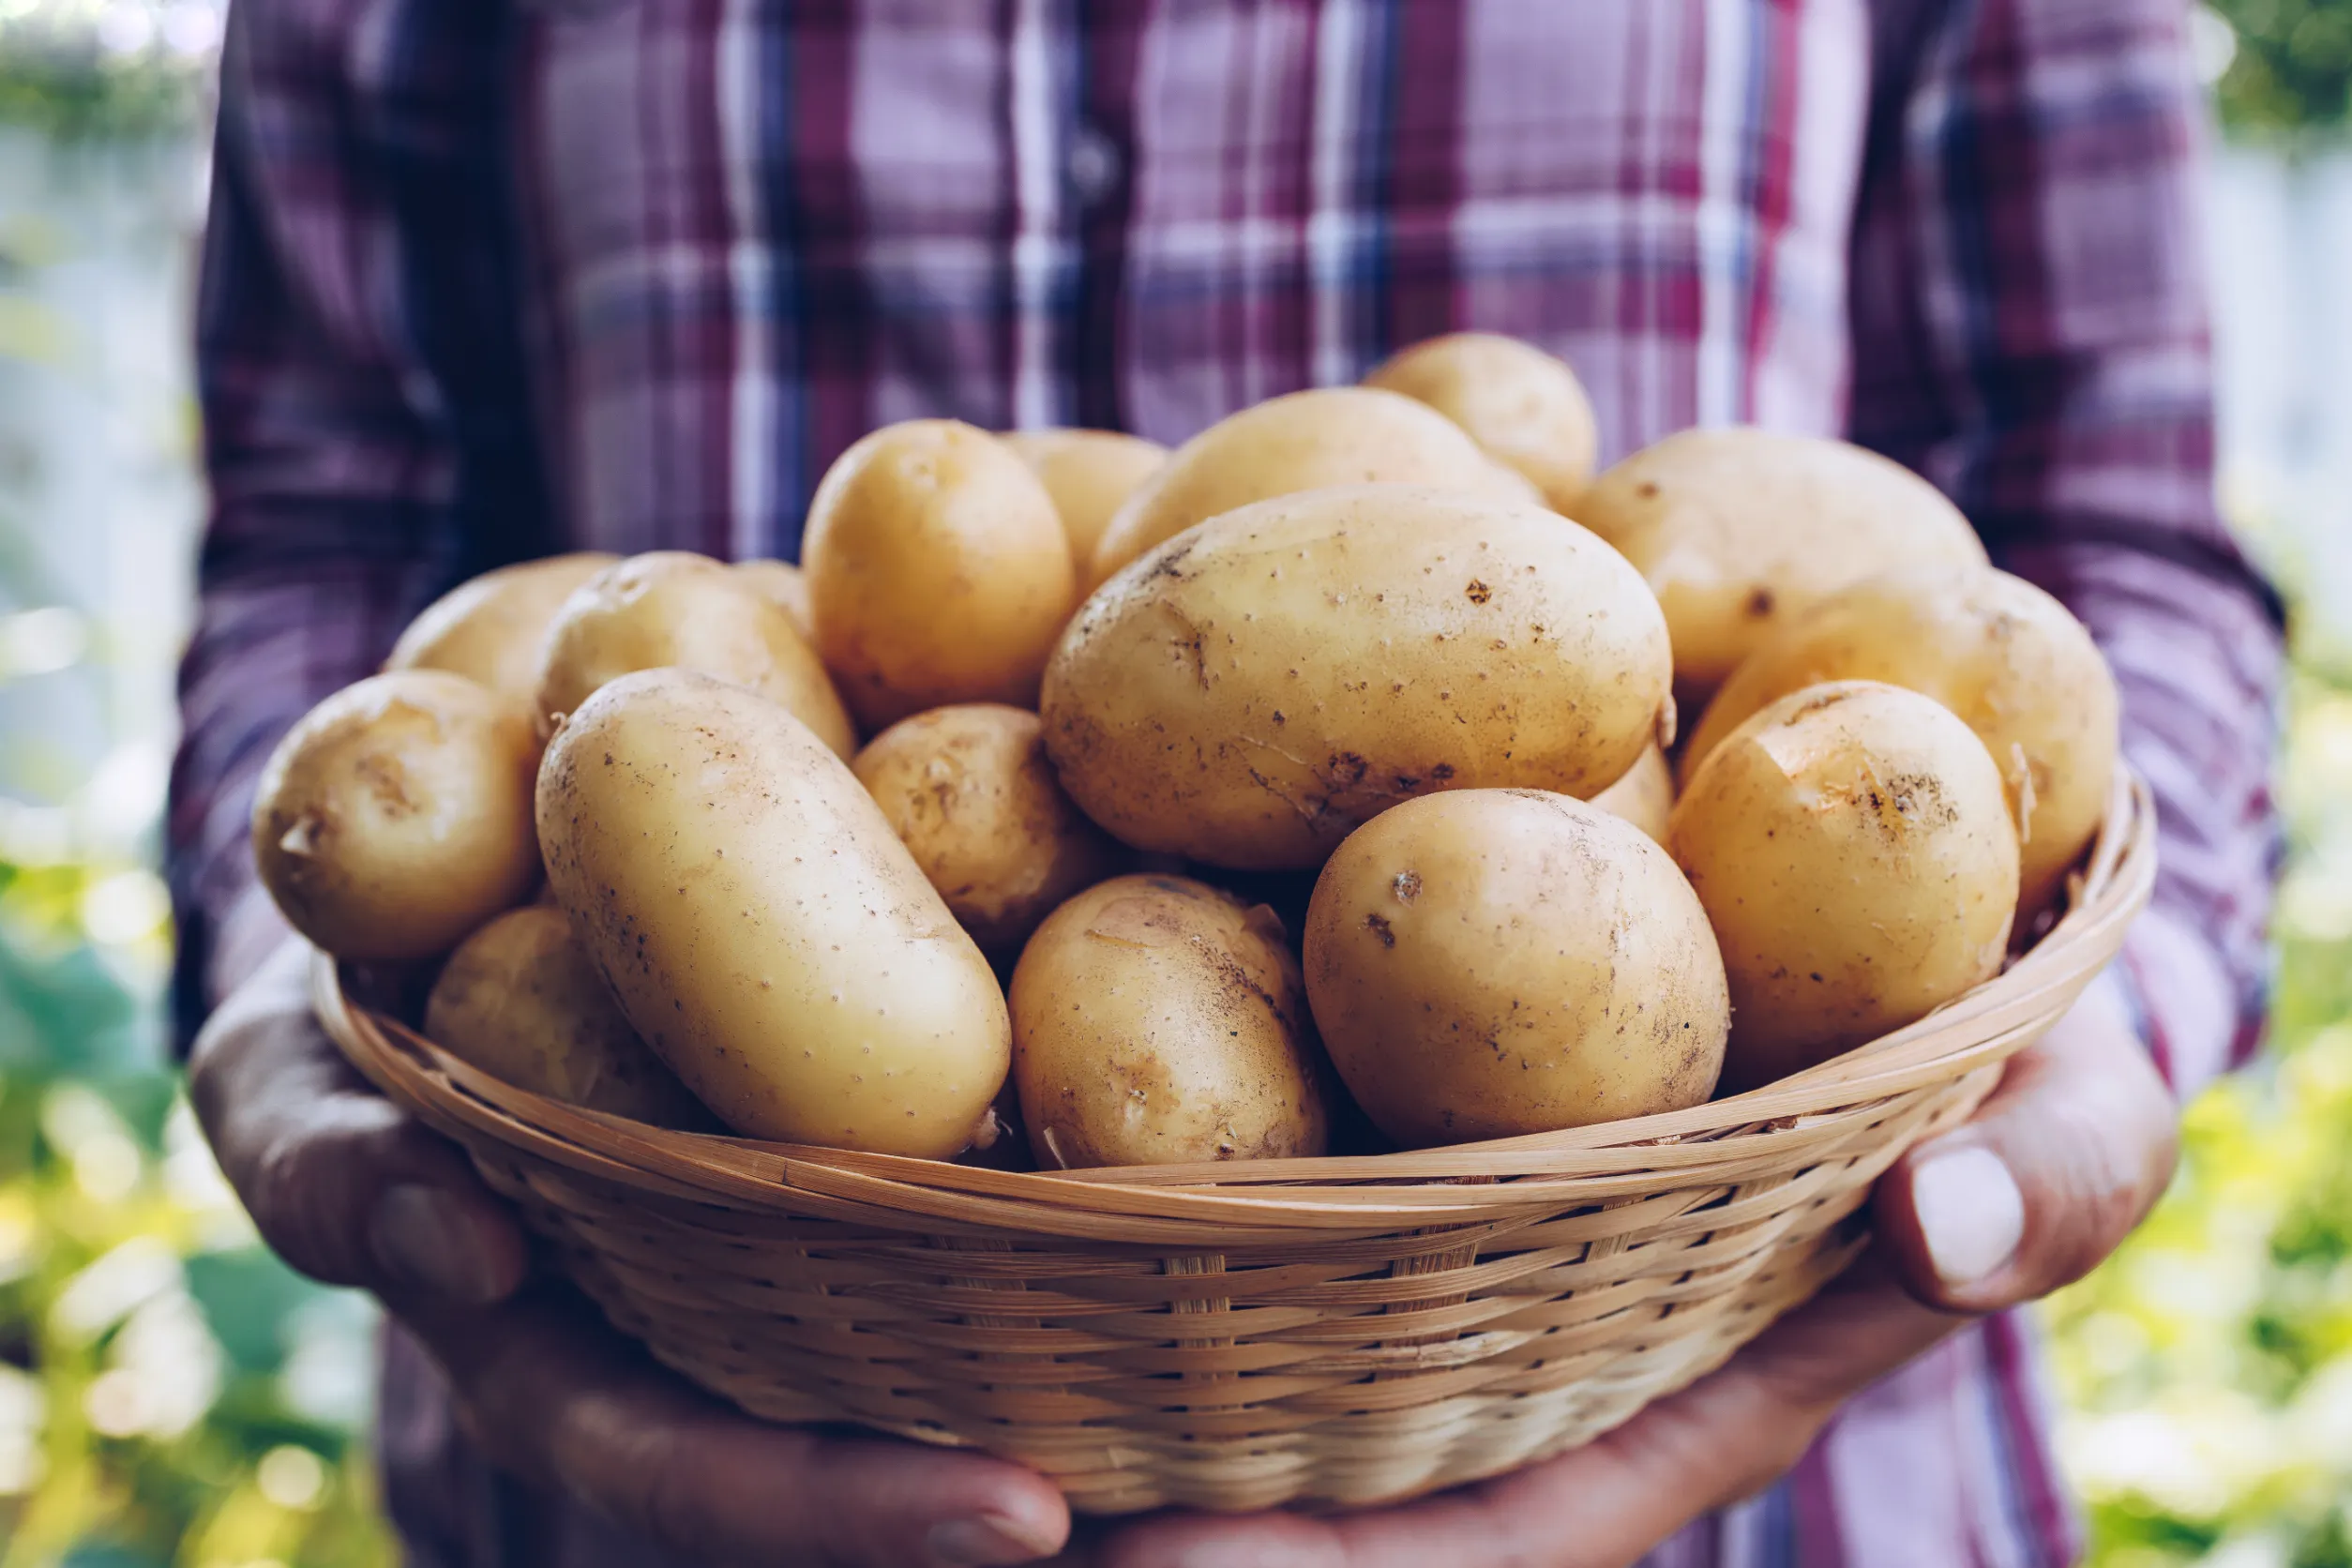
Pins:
x: 350, y: 278
x: 2030, y: 321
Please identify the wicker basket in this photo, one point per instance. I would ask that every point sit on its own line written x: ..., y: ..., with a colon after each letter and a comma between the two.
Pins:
x: 1329, y: 1332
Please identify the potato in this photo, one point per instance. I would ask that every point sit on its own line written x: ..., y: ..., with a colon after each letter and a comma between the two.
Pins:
x: 520, y: 1000
x: 1089, y: 474
x: 1738, y: 529
x: 781, y: 583
x: 2010, y: 660
x: 1248, y: 693
x: 1157, y: 1020
x: 1525, y: 408
x: 1854, y: 852
x: 761, y: 925
x: 1491, y: 962
x: 488, y: 629
x: 1340, y: 435
x: 1644, y: 796
x: 671, y: 608
x: 970, y: 791
x: 396, y: 816
x: 938, y: 571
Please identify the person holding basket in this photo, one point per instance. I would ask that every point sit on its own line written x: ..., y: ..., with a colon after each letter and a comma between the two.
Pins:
x: 486, y: 281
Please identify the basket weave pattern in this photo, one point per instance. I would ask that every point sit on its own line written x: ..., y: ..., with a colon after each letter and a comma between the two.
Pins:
x: 1329, y: 1331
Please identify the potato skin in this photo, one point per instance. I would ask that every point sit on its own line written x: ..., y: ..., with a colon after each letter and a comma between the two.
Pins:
x: 1644, y: 796
x: 1491, y: 962
x: 781, y: 583
x: 1854, y: 853
x: 2008, y: 659
x: 1089, y: 474
x: 1157, y: 1020
x: 1527, y: 409
x: 970, y: 791
x: 522, y: 999
x: 1247, y: 693
x: 761, y: 925
x: 395, y: 817
x: 938, y: 571
x: 1335, y: 435
x: 488, y: 629
x: 1737, y: 530
x: 671, y: 608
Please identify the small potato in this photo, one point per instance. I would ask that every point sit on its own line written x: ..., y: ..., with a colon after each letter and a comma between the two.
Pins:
x: 970, y: 791
x: 672, y: 610
x: 1246, y: 694
x: 522, y: 999
x: 938, y: 571
x: 781, y: 583
x: 761, y: 925
x: 1339, y: 435
x: 1738, y: 529
x: 1156, y: 1021
x: 2010, y: 660
x: 488, y: 629
x: 1493, y: 962
x: 1527, y: 409
x: 1089, y: 474
x: 1854, y: 851
x: 1644, y: 796
x: 395, y: 817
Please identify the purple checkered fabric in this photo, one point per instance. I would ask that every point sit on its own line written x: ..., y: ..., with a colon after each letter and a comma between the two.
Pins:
x: 488, y: 280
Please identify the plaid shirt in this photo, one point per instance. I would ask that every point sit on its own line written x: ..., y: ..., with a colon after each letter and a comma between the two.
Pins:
x: 488, y: 280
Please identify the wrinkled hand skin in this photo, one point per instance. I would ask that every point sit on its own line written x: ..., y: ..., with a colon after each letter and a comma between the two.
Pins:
x: 353, y: 1192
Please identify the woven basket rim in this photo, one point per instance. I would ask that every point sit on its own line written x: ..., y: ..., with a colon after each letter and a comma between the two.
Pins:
x: 1738, y: 1139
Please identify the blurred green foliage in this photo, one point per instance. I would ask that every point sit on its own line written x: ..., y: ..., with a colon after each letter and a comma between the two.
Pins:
x: 2290, y: 68
x: 171, y: 1395
x: 2207, y: 1369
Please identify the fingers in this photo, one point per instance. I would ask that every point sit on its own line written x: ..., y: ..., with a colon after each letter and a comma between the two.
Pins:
x: 1602, y: 1506
x: 341, y: 1183
x: 2061, y: 1163
x: 558, y: 1395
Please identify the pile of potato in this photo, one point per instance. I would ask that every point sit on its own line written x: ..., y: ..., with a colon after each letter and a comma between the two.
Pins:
x: 1312, y: 786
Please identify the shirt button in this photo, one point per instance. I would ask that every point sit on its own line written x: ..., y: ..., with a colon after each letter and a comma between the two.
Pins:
x: 1092, y: 164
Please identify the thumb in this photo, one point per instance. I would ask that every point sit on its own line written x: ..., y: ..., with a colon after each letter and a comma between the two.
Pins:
x: 340, y: 1181
x: 2058, y: 1165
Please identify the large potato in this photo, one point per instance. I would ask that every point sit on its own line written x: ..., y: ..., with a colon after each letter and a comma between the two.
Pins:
x: 761, y: 926
x: 781, y: 583
x: 938, y: 571
x: 1339, y: 435
x: 522, y: 999
x: 1527, y: 409
x: 970, y: 791
x: 1089, y: 474
x: 1855, y: 854
x: 1737, y: 530
x: 1644, y: 796
x: 673, y: 610
x: 1157, y: 1020
x: 1248, y: 693
x: 2010, y: 660
x: 396, y: 816
x: 488, y: 629
x: 1491, y: 962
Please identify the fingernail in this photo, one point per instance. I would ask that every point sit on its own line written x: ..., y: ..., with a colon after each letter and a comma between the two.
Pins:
x: 986, y: 1542
x: 423, y: 1237
x: 1970, y: 1212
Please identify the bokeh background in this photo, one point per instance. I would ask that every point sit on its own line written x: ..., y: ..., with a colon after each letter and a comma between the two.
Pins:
x: 171, y: 1395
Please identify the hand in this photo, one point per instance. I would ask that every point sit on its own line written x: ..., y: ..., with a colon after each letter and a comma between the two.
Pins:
x: 2061, y: 1163
x: 351, y: 1191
